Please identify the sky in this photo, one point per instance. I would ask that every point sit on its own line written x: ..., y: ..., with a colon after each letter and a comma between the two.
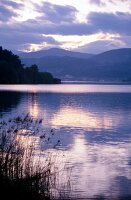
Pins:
x: 91, y: 26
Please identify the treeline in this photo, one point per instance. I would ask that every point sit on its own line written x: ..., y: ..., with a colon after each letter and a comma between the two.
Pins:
x: 12, y: 71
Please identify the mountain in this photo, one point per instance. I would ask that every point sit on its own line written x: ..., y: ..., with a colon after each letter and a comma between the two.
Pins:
x: 54, y: 52
x: 113, y: 65
x: 114, y: 55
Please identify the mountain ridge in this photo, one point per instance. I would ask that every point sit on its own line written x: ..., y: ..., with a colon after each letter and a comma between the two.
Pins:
x: 110, y: 65
x: 54, y: 51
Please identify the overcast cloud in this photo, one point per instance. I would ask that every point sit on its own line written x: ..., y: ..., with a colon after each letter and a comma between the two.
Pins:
x: 57, y: 13
x: 63, y: 20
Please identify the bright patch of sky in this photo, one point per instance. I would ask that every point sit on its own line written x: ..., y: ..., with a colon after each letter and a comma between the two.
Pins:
x: 84, y: 25
x: 84, y: 7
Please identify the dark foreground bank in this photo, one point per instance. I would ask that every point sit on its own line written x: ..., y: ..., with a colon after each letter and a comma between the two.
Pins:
x: 12, y: 71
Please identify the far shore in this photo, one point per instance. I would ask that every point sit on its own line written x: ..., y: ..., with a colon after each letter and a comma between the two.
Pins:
x: 98, y: 82
x: 73, y: 82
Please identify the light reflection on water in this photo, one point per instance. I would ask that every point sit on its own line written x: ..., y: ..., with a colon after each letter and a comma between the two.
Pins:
x: 93, y: 125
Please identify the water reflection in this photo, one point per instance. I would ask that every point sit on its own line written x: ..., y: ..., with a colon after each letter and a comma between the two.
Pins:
x: 33, y: 109
x: 83, y: 119
x: 95, y: 133
x: 101, y: 167
x: 9, y: 100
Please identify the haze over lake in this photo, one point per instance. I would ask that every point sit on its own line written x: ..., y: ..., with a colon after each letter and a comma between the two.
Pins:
x: 93, y: 125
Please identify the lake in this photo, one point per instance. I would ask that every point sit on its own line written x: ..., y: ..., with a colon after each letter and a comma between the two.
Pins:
x: 93, y: 124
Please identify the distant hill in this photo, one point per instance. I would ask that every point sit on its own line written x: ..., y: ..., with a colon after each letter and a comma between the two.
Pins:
x: 114, y: 55
x: 111, y: 65
x: 54, y: 52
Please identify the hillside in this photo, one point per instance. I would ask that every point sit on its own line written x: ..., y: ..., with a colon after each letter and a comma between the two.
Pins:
x: 111, y: 65
x: 54, y: 52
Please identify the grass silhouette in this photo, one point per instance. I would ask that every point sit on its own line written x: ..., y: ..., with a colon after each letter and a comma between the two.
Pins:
x: 22, y: 176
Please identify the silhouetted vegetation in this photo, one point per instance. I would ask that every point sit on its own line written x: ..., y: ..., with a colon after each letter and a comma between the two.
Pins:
x: 26, y: 173
x: 20, y: 177
x: 12, y: 71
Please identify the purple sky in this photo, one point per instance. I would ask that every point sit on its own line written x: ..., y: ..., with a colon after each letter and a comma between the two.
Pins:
x: 90, y: 26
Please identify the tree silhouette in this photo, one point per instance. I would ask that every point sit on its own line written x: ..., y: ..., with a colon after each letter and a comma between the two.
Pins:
x: 12, y: 71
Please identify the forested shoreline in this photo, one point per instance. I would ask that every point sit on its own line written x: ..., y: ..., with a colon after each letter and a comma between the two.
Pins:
x: 12, y: 71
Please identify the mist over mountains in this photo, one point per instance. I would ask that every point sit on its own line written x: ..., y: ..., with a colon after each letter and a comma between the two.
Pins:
x: 113, y: 65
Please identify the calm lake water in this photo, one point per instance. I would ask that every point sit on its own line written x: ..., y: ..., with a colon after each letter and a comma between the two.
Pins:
x: 93, y: 123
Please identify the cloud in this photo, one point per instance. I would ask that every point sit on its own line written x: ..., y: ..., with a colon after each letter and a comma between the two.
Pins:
x: 18, y: 40
x: 110, y: 22
x: 8, y: 10
x: 23, y: 38
x: 39, y: 27
x: 13, y: 4
x: 97, y: 2
x: 97, y: 22
x: 19, y: 34
x: 126, y: 41
x: 103, y: 2
x: 100, y: 46
x: 60, y: 20
x: 6, y: 14
x: 123, y: 1
x: 57, y: 13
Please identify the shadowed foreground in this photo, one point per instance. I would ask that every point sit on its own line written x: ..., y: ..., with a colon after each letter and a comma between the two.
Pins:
x: 18, y: 189
x: 20, y: 176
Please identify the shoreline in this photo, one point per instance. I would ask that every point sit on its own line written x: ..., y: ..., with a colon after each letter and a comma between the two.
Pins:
x: 96, y: 82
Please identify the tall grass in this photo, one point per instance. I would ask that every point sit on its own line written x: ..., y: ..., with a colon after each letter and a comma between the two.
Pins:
x: 23, y: 174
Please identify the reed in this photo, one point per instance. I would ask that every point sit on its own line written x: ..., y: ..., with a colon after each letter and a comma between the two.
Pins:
x: 23, y: 174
